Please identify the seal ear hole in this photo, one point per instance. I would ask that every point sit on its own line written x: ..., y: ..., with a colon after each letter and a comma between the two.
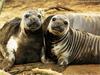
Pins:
x: 53, y: 19
x: 39, y: 16
x: 65, y: 22
x: 27, y: 15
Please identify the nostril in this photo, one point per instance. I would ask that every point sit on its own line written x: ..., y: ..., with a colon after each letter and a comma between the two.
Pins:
x: 65, y: 22
x: 32, y: 20
x: 34, y: 23
x: 54, y: 19
x: 31, y: 24
x: 27, y: 15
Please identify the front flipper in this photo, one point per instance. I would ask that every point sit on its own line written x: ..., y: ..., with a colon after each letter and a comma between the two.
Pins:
x: 64, y: 59
x: 63, y: 62
x: 6, y: 32
x: 8, y: 58
x: 44, y: 59
x: 6, y: 64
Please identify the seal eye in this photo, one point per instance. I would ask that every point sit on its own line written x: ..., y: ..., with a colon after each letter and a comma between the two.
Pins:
x: 39, y: 16
x: 65, y: 22
x: 27, y: 15
x: 54, y: 19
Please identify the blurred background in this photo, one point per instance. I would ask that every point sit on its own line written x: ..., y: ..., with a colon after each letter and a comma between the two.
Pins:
x: 13, y: 8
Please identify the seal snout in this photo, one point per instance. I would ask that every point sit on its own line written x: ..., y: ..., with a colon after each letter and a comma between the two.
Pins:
x: 33, y: 23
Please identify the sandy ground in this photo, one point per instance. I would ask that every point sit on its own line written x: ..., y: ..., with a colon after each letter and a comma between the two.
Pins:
x: 15, y: 8
x: 26, y: 69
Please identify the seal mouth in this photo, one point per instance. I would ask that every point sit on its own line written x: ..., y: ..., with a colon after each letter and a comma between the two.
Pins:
x: 56, y: 32
x: 59, y: 29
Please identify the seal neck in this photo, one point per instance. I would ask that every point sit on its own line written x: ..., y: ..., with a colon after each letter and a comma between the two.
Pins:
x: 54, y: 38
x: 29, y: 33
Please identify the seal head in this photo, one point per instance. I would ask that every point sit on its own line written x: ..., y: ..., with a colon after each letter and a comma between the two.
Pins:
x: 31, y: 21
x: 58, y: 25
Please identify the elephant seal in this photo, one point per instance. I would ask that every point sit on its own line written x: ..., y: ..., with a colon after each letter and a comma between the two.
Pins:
x: 26, y: 43
x: 66, y: 45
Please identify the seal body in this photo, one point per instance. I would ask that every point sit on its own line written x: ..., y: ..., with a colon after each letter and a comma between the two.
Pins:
x: 26, y: 48
x: 70, y: 46
x: 89, y: 22
x: 26, y: 43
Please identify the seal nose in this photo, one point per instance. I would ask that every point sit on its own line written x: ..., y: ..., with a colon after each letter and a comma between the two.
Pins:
x: 65, y: 22
x: 29, y: 25
x: 32, y: 22
x: 53, y: 19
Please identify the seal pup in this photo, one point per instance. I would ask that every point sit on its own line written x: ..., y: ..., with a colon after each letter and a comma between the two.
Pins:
x: 66, y: 45
x: 25, y: 45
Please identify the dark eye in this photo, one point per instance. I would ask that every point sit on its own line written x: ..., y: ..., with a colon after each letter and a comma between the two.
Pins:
x: 27, y: 15
x: 65, y: 22
x: 54, y: 19
x: 39, y: 16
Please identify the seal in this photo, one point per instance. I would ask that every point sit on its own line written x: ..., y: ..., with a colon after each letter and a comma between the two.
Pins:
x: 66, y: 45
x: 26, y: 43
